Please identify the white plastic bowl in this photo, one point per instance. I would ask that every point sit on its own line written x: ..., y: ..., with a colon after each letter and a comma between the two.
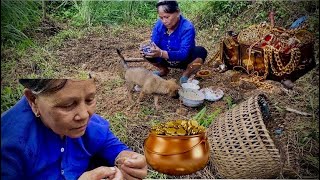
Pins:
x: 190, y: 86
x: 193, y: 81
x: 191, y: 98
x: 212, y: 94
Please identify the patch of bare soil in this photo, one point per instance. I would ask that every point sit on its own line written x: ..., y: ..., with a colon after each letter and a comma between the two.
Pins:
x: 46, y: 29
x: 96, y: 53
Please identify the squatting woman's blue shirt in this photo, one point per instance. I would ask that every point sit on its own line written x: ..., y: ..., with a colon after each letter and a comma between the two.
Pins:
x: 30, y: 150
x: 179, y: 43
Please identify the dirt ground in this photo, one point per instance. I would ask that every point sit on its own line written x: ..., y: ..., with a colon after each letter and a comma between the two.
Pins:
x: 95, y: 54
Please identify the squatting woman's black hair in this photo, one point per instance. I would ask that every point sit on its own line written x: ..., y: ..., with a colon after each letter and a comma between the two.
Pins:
x: 168, y: 6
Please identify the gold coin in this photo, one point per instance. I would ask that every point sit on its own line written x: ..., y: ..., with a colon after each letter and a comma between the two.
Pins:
x: 171, y: 130
x: 170, y: 124
x: 178, y: 127
x: 194, y: 123
x: 181, y: 132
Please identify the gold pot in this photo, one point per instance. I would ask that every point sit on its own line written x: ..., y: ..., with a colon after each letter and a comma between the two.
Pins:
x: 177, y: 155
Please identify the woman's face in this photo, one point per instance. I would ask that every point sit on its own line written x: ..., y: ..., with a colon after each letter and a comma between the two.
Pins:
x: 170, y: 20
x: 67, y: 111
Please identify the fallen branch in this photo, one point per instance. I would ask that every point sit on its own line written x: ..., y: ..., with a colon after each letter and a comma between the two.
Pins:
x: 135, y: 60
x: 298, y: 112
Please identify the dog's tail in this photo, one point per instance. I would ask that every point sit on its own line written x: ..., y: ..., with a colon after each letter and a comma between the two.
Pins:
x: 123, y: 61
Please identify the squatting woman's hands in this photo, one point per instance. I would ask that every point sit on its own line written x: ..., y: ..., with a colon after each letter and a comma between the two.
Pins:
x: 102, y: 172
x: 132, y: 165
x: 155, y: 51
x: 141, y: 51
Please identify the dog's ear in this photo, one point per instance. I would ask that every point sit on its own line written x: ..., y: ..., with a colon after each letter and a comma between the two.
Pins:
x: 93, y: 76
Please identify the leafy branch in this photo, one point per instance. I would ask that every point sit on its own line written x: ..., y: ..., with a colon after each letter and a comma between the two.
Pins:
x: 204, y: 118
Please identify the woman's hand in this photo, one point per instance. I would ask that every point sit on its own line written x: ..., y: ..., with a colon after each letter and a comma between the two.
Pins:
x: 155, y: 52
x: 141, y: 52
x: 102, y: 172
x: 132, y: 165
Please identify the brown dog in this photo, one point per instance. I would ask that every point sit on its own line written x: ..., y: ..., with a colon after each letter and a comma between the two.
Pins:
x: 149, y: 82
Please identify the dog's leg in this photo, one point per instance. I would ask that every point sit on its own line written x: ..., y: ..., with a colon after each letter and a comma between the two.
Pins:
x: 142, y: 93
x: 129, y: 89
x: 156, y: 102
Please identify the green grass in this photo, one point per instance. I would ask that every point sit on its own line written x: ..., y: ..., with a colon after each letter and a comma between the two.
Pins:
x: 154, y: 122
x: 308, y: 144
x: 10, y: 95
x: 114, y: 12
x: 313, y: 161
x: 13, y: 68
x: 229, y: 101
x: 146, y: 112
x: 81, y: 74
x: 42, y: 60
x: 204, y: 118
x: 206, y: 14
x: 64, y: 35
x: 152, y: 174
x: 119, y: 123
x: 114, y: 83
x: 16, y: 17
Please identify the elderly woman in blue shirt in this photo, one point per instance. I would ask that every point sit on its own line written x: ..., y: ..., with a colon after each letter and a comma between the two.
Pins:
x: 173, y: 43
x: 53, y: 133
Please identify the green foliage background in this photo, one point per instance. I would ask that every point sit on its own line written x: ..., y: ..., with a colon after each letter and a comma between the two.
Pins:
x: 20, y: 16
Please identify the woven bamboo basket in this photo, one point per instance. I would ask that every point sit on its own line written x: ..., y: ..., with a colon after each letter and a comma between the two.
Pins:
x: 240, y: 143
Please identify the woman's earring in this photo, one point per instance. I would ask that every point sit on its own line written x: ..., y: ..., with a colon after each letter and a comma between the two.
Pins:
x: 37, y: 114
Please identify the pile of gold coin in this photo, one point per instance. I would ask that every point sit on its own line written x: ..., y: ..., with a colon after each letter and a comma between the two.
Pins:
x: 178, y: 128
